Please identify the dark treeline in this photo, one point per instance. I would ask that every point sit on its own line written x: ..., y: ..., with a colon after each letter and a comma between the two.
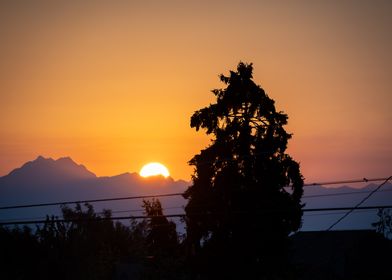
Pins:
x: 91, y: 247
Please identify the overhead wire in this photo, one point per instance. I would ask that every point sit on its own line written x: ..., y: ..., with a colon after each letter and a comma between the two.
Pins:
x: 166, y: 195
x: 352, y: 181
x: 87, y: 201
x: 179, y: 207
x: 183, y: 215
x: 357, y: 206
x: 350, y: 209
x: 98, y: 213
x: 342, y: 193
x: 182, y: 206
x: 338, y: 213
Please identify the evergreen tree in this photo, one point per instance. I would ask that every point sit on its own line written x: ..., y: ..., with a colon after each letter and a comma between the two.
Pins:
x: 240, y: 209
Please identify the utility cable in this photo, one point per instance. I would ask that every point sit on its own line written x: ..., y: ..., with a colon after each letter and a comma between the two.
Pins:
x: 87, y: 201
x: 363, y: 180
x: 359, y: 204
x: 182, y: 215
x: 168, y: 195
x: 342, y: 193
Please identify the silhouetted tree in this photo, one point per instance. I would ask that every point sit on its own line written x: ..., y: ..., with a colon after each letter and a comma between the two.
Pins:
x: 384, y: 224
x: 86, y: 246
x: 240, y: 210
x: 161, y: 237
x: 165, y: 261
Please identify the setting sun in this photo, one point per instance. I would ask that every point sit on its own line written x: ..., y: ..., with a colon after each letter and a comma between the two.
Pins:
x: 154, y: 169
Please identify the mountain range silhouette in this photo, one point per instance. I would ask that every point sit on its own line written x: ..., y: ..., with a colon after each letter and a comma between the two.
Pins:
x: 47, y: 180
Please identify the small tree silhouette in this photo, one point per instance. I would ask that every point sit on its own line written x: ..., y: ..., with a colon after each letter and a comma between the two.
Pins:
x: 162, y: 244
x: 384, y: 224
x: 161, y: 237
x: 240, y: 213
x: 84, y: 246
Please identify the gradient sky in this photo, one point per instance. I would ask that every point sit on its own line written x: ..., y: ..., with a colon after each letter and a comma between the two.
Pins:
x: 113, y: 84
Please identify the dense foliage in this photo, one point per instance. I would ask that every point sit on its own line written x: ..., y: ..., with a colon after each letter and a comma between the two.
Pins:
x: 384, y: 223
x: 88, y: 245
x: 240, y: 212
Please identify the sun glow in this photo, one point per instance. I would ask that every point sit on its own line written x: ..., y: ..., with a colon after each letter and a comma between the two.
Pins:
x: 154, y: 169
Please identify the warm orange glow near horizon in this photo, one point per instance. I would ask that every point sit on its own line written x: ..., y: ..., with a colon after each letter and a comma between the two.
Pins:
x: 113, y: 84
x: 154, y: 169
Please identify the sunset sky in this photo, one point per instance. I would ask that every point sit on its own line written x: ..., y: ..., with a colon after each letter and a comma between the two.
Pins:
x: 113, y: 84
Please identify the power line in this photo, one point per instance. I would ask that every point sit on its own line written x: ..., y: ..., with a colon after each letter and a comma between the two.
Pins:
x: 342, y: 193
x: 346, y: 208
x: 168, y: 195
x: 180, y: 215
x: 163, y: 209
x: 141, y: 210
x: 338, y: 213
x: 88, y: 201
x: 99, y: 219
x: 363, y: 180
x: 98, y: 213
x: 358, y: 204
x: 182, y: 206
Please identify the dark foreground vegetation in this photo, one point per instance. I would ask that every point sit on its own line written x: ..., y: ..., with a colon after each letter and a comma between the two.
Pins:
x: 93, y: 247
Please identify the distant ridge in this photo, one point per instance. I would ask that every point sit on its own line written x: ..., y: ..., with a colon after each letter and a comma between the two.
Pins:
x: 48, y: 180
x: 63, y: 167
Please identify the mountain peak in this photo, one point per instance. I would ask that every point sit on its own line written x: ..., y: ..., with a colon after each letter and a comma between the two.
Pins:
x: 66, y: 160
x: 40, y: 159
x: 63, y: 167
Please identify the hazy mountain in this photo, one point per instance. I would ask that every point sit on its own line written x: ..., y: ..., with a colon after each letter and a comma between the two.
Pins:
x: 49, y: 170
x: 48, y: 180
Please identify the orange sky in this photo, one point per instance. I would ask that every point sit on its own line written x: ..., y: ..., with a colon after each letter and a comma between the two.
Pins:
x: 113, y: 84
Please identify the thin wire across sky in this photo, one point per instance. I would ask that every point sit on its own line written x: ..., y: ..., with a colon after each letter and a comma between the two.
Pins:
x: 170, y: 194
x: 348, y: 209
